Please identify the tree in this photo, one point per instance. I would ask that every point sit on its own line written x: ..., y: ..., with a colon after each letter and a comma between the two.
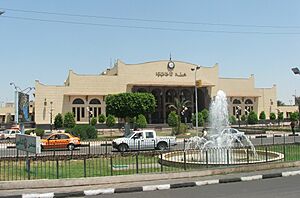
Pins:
x: 272, y: 116
x: 110, y: 121
x: 69, y: 121
x: 252, y: 118
x: 125, y: 105
x: 93, y: 121
x: 141, y: 121
x: 294, y: 116
x: 280, y: 103
x: 280, y: 116
x: 101, y: 118
x: 172, y: 119
x: 179, y: 107
x: 58, y: 121
x: 262, y: 115
x: 205, y: 114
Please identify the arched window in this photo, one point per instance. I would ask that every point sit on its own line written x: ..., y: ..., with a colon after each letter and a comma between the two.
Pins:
x: 248, y: 101
x: 236, y: 101
x: 95, y: 101
x: 78, y: 101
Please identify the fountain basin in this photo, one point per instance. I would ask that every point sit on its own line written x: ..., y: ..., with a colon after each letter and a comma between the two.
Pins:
x: 235, y: 156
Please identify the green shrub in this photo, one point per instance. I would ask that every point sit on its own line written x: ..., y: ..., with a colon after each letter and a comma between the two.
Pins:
x: 232, y: 119
x: 280, y: 116
x: 172, y: 119
x: 27, y: 132
x: 110, y: 121
x: 262, y: 115
x: 294, y: 116
x: 200, y: 119
x: 272, y: 116
x: 141, y: 121
x: 69, y: 121
x: 183, y: 128
x: 205, y: 114
x: 93, y: 121
x: 39, y: 132
x: 243, y: 118
x: 101, y: 118
x: 252, y: 118
x: 84, y: 132
x: 58, y: 121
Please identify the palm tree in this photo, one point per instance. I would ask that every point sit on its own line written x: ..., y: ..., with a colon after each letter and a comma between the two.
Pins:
x: 179, y: 107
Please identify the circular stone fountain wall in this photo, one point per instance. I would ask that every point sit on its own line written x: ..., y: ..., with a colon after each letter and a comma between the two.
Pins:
x: 194, y: 158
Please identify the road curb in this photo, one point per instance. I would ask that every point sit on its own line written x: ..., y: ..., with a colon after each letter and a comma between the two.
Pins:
x: 157, y: 187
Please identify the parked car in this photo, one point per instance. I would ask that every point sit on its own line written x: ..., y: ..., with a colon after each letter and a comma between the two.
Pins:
x: 142, y: 140
x: 61, y: 141
x: 9, y: 134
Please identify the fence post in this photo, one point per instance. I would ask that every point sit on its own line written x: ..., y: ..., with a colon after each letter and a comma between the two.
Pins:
x: 28, y: 166
x: 261, y: 141
x: 266, y: 150
x: 84, y: 166
x: 184, y: 160
x: 106, y: 147
x: 273, y: 139
x: 57, y: 168
x: 284, y: 152
x: 89, y: 148
x: 206, y: 156
x: 137, y: 162
x: 161, y: 163
x: 183, y: 144
x: 284, y: 139
x: 169, y: 145
x: 247, y: 155
x: 227, y: 157
x: 111, y: 166
x: 17, y: 154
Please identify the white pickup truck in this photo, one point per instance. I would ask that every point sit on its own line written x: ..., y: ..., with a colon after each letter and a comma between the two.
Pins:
x: 143, y: 140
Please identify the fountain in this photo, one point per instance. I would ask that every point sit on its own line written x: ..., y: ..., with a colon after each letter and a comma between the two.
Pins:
x: 221, y: 145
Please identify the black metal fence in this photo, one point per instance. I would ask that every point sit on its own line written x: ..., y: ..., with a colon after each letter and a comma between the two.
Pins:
x: 98, y: 158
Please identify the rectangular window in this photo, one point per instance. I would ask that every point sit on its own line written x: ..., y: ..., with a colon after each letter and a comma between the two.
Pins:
x: 95, y: 112
x: 82, y: 112
x: 99, y: 110
x: 74, y: 111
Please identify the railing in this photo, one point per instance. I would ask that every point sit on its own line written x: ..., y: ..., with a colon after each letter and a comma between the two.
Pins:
x: 98, y: 158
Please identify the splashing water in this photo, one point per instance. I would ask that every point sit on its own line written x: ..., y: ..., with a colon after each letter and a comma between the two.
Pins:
x: 220, y: 135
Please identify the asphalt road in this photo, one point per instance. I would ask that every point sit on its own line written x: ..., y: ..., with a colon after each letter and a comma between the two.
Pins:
x: 285, y: 187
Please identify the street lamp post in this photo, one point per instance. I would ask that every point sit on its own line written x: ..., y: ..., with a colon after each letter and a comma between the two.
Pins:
x: 51, y: 113
x: 196, y: 96
x: 296, y: 71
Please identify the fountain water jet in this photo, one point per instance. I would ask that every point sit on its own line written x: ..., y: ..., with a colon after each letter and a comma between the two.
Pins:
x: 222, y: 144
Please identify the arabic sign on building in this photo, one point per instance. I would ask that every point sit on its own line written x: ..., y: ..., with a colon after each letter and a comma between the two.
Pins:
x: 28, y: 143
x: 169, y: 74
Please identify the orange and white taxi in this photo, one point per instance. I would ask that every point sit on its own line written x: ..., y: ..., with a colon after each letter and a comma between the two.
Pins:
x: 60, y: 140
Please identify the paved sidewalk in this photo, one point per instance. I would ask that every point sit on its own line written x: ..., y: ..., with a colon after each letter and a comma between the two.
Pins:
x: 132, y: 183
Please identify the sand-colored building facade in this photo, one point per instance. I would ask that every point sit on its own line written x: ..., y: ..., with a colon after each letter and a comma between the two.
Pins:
x: 165, y: 79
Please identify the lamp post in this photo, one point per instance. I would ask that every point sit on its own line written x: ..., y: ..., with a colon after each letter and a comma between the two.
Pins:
x: 238, y: 113
x: 196, y: 96
x: 296, y: 71
x: 51, y: 113
x: 89, y: 114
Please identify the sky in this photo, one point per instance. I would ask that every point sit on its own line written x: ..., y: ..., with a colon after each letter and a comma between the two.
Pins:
x: 260, y: 37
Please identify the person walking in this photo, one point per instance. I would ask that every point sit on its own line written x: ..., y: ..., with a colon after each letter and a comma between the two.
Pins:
x: 293, y: 127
